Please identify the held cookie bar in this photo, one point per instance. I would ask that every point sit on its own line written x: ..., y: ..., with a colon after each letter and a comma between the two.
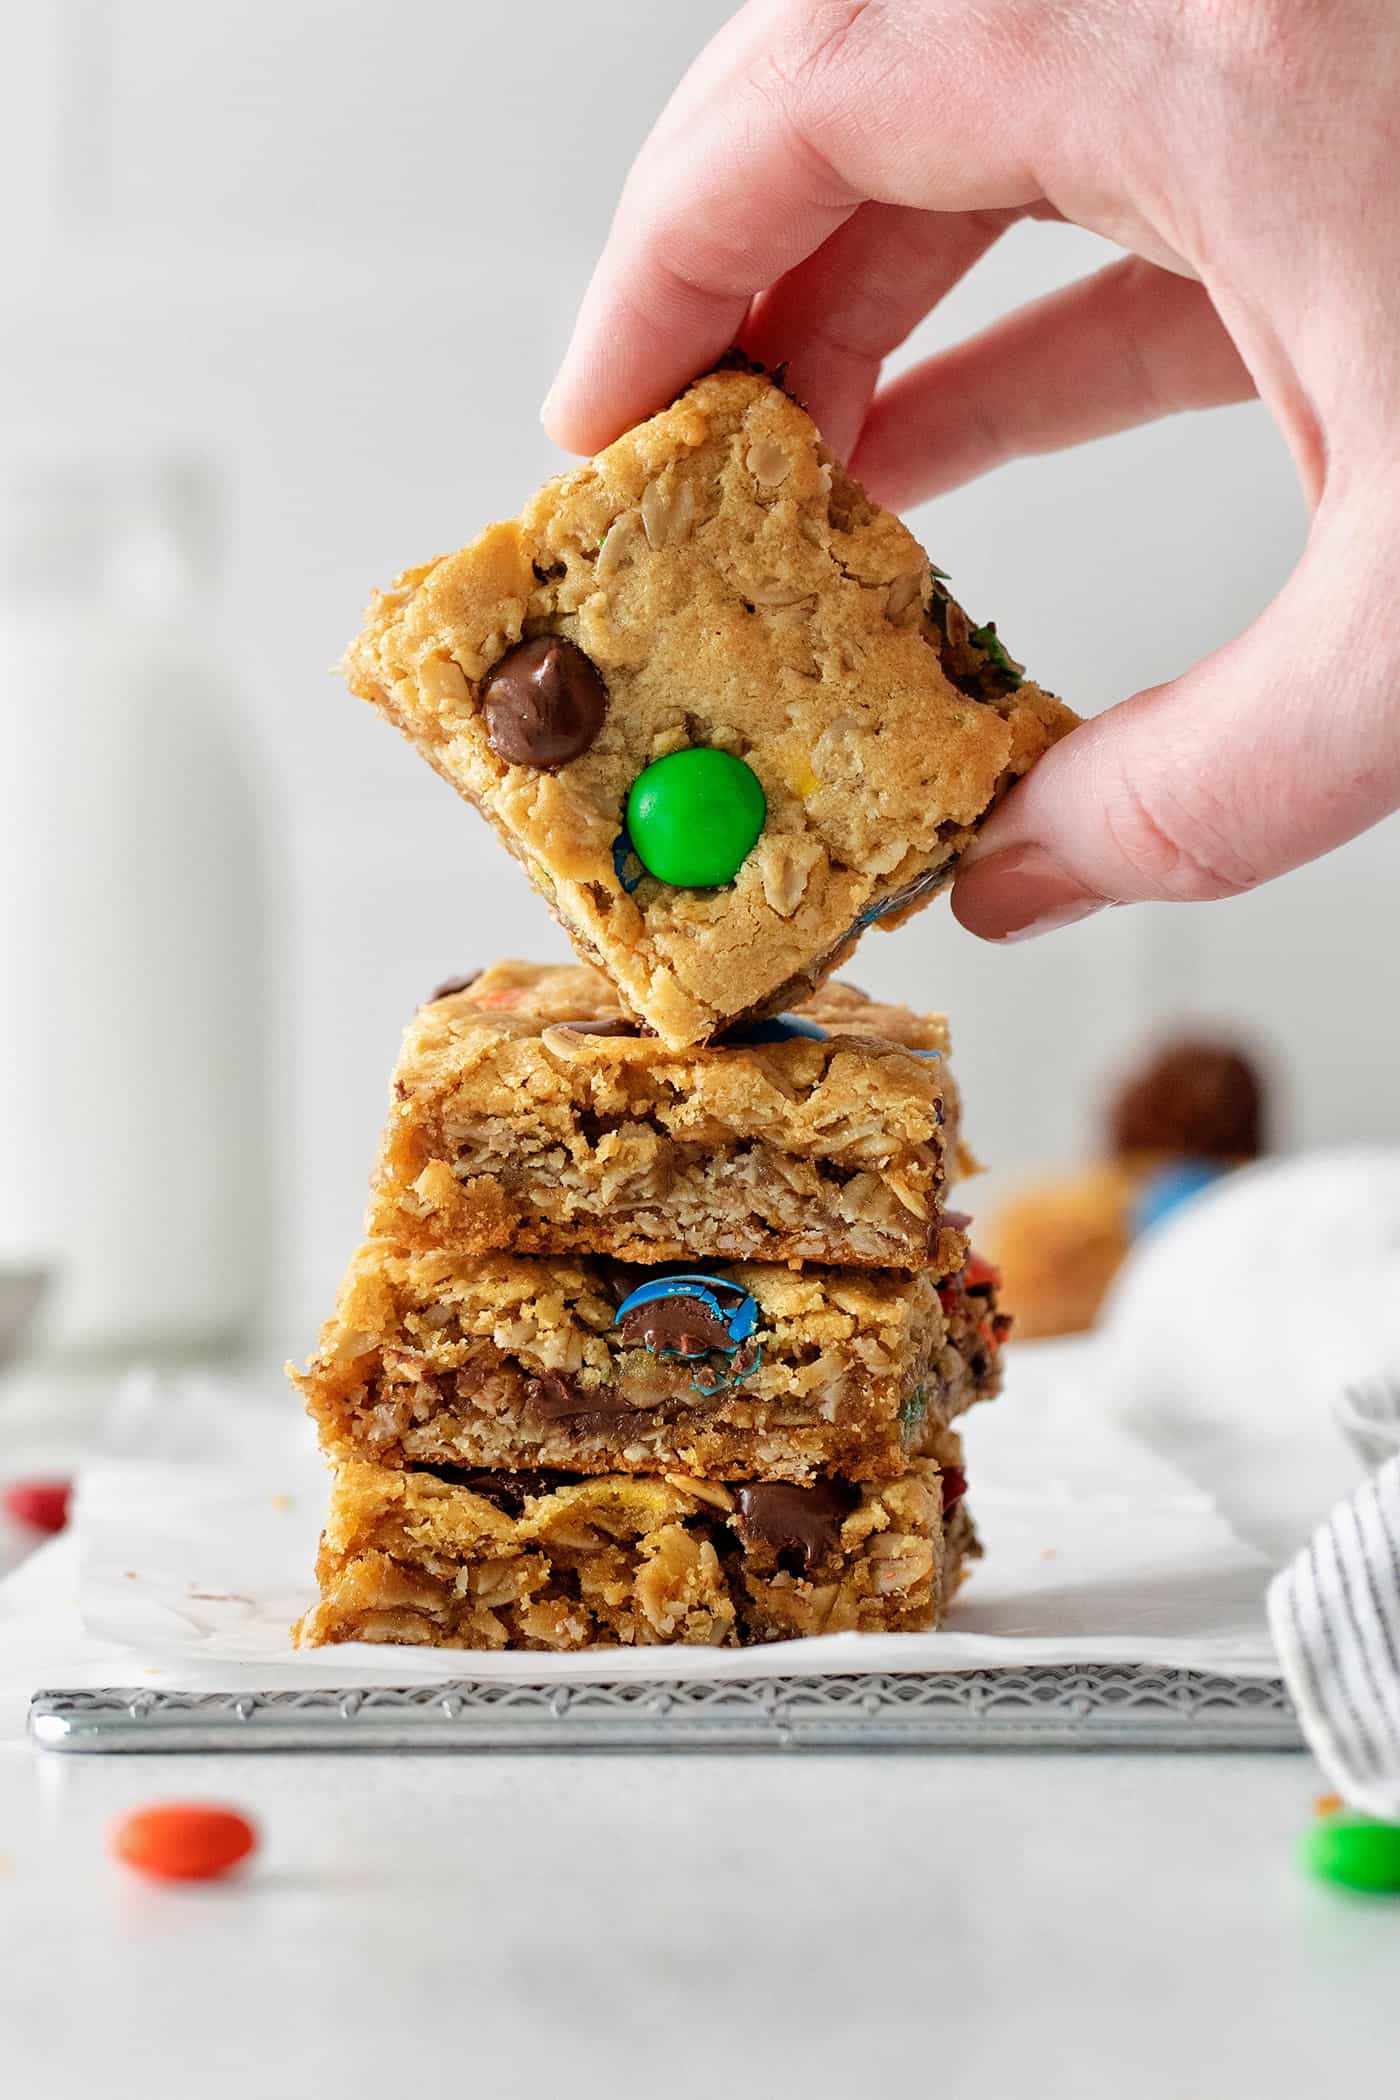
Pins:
x: 548, y: 1560
x: 526, y: 1112
x: 590, y: 1365
x: 715, y: 701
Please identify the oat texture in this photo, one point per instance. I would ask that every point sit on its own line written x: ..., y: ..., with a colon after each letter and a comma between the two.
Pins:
x: 426, y: 1560
x: 735, y: 589
x: 512, y: 1361
x: 512, y: 1125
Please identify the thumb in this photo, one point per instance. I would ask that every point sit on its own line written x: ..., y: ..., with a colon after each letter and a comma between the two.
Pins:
x: 1280, y: 746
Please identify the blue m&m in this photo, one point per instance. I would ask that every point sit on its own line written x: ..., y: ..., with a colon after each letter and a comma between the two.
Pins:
x: 1170, y: 1187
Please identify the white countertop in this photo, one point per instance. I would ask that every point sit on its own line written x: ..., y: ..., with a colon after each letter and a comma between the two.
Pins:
x: 990, y: 1924
x: 987, y: 1925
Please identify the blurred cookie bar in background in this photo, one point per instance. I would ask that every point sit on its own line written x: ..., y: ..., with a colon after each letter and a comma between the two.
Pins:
x: 1195, y: 1108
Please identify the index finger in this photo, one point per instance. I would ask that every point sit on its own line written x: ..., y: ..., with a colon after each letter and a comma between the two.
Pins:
x: 797, y: 113
x: 724, y: 197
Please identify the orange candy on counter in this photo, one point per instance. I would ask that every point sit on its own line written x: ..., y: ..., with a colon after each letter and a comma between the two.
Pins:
x: 183, y: 1840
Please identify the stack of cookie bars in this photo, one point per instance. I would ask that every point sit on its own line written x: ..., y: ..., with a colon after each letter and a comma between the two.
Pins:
x: 663, y: 1326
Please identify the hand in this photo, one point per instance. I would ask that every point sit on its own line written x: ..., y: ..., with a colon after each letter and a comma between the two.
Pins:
x: 827, y: 171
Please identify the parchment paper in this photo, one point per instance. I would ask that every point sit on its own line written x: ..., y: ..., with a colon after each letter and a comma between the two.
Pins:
x: 197, y: 1529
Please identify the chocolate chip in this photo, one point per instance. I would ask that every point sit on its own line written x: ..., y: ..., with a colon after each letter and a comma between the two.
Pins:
x: 617, y: 1024
x: 675, y: 1327
x: 507, y: 1492
x: 618, y: 1279
x: 802, y: 1520
x: 544, y: 703
x: 557, y: 1396
x: 451, y: 985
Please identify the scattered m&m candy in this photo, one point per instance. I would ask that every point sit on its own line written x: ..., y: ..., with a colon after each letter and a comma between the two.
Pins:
x: 183, y: 1840
x: 41, y: 1504
x: 1170, y: 1187
x: 694, y: 817
x: 1355, y: 1851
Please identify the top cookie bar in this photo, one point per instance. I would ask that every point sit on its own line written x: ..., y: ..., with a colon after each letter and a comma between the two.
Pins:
x: 715, y: 701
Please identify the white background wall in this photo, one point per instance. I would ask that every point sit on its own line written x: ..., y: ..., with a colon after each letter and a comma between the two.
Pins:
x: 335, y: 247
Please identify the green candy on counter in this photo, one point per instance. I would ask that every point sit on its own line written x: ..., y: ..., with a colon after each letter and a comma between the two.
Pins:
x: 695, y: 816
x: 1355, y: 1851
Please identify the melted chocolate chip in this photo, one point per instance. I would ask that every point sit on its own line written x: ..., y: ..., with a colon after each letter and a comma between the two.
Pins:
x: 557, y: 1396
x: 507, y: 1492
x: 802, y: 1520
x: 618, y: 1279
x: 616, y: 1024
x: 544, y: 703
x: 450, y: 985
x: 675, y: 1327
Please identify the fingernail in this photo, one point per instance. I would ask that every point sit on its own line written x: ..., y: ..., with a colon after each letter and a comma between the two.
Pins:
x: 1019, y: 891
x: 548, y: 405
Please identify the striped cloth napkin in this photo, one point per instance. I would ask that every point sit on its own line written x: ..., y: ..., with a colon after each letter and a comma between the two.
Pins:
x: 1334, y: 1612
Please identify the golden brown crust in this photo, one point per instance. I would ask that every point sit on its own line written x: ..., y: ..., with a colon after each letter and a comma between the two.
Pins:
x: 734, y: 589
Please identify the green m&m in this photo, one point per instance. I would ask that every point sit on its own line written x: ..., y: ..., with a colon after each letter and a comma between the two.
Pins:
x: 1357, y: 1852
x: 695, y: 816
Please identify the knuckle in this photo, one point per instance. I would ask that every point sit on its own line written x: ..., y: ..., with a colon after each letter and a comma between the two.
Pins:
x: 804, y: 72
x: 813, y: 42
x: 1179, y: 845
x: 1128, y: 341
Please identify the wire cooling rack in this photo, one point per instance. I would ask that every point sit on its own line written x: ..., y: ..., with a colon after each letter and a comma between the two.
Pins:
x: 1114, y: 1707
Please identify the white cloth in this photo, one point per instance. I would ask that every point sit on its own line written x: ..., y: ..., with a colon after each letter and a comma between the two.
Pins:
x: 1335, y: 1617
x: 1238, y: 1324
x: 1274, y: 1383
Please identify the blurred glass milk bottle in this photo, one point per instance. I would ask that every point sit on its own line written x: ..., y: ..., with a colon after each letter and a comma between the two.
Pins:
x: 133, y: 1039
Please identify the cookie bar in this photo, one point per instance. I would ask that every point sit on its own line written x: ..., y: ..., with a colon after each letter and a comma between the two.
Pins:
x: 549, y: 1560
x: 1192, y: 1110
x: 716, y: 702
x: 596, y: 1367
x: 527, y: 1113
